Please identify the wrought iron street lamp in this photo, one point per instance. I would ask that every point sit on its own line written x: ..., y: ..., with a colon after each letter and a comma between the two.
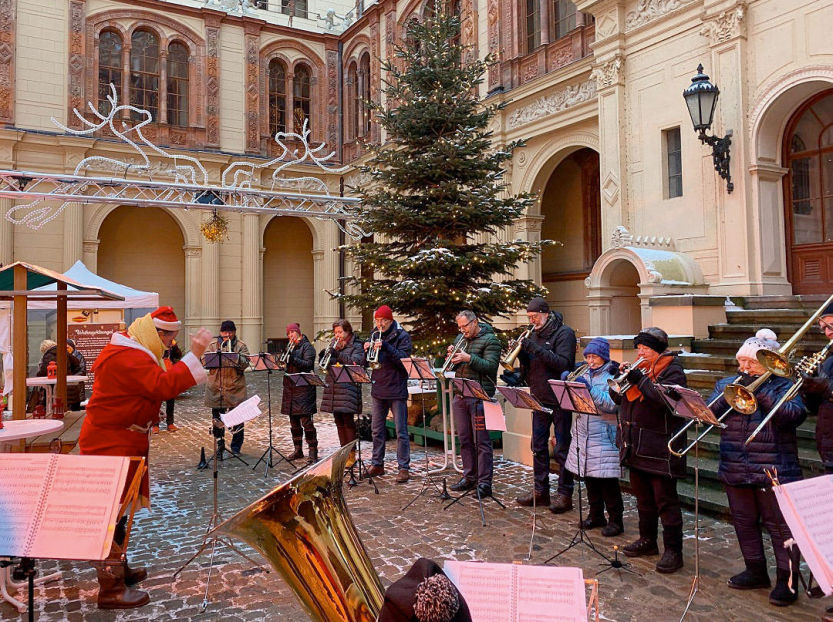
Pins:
x: 701, y: 100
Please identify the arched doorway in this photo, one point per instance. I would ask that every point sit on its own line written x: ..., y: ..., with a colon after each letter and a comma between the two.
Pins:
x: 288, y: 277
x: 142, y: 247
x: 808, y: 195
x: 623, y: 288
x: 571, y: 207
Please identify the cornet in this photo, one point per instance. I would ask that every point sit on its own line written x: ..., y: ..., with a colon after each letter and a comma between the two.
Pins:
x: 283, y: 361
x: 373, y: 352
x: 619, y: 384
x: 324, y: 361
x: 459, y: 346
x: 580, y: 371
x: 514, y: 349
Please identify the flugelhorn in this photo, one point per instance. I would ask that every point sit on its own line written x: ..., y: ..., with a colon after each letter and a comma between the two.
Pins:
x: 304, y: 529
x: 327, y: 357
x: 373, y: 352
x: 513, y: 349
x: 619, y: 384
x: 283, y: 361
x: 459, y: 346
x: 579, y: 371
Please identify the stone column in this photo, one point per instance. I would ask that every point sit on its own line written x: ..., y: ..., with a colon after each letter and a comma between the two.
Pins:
x: 251, y: 320
x: 210, y: 283
x: 73, y: 234
x: 90, y: 254
x: 191, y: 320
x: 6, y: 233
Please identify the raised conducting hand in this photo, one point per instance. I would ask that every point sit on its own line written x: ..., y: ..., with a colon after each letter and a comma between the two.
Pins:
x: 200, y: 341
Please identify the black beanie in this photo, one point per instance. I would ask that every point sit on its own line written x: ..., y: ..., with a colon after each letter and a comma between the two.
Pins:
x: 538, y: 305
x: 424, y: 594
x: 228, y: 325
x: 653, y: 337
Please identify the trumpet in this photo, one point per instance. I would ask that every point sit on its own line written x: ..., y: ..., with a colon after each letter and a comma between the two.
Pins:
x: 580, y: 371
x: 283, y: 361
x: 514, y: 349
x: 459, y: 346
x: 373, y: 352
x: 327, y: 357
x: 619, y: 384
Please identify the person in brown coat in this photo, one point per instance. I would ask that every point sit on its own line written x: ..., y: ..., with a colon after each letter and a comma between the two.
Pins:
x: 226, y: 387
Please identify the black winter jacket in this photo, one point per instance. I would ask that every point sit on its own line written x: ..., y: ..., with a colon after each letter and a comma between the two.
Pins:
x: 546, y: 354
x: 821, y: 402
x: 647, y: 424
x: 774, y: 446
x: 76, y: 366
x: 299, y: 400
x: 343, y: 398
x: 390, y: 381
x: 485, y: 358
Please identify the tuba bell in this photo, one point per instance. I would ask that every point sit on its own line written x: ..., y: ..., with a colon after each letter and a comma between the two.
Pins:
x: 304, y: 529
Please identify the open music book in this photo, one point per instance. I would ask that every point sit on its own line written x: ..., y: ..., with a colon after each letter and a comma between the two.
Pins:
x: 807, y: 506
x: 517, y: 593
x: 55, y: 506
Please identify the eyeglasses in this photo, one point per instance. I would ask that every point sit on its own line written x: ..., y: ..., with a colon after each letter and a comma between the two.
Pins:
x: 825, y: 325
x: 466, y: 325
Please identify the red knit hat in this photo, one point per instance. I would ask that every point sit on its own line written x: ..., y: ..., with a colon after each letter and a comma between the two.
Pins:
x: 384, y: 312
x: 293, y: 326
x: 164, y: 318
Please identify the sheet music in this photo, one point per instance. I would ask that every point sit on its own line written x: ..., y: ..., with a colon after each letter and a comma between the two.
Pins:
x: 807, y: 506
x: 22, y: 483
x: 519, y: 593
x: 495, y: 419
x: 245, y: 411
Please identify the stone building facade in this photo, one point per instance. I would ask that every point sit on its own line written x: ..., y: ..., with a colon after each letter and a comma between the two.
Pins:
x: 594, y: 87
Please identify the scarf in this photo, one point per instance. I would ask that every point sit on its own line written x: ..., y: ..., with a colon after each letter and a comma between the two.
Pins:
x: 653, y: 372
x: 143, y: 331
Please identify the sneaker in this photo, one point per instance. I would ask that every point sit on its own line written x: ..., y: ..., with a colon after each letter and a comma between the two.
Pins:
x: 540, y: 499
x: 376, y: 471
x: 155, y: 429
x: 463, y: 485
x: 671, y: 561
x: 641, y: 548
x: 172, y: 428
x: 403, y: 476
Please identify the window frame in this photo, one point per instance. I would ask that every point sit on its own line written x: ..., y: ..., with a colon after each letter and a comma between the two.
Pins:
x: 672, y: 182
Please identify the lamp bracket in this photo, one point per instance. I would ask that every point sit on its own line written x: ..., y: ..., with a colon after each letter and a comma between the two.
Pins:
x: 720, y: 155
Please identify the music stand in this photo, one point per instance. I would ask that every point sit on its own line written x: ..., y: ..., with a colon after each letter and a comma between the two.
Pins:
x: 689, y: 404
x: 575, y: 397
x: 304, y: 379
x: 355, y: 375
x: 466, y: 387
x: 420, y: 369
x: 521, y: 398
x: 264, y: 361
x: 220, y: 361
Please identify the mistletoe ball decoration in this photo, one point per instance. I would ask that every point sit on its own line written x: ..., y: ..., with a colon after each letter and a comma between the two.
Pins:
x: 215, y: 229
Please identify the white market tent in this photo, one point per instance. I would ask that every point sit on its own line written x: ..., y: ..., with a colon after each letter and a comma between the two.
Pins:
x: 133, y: 298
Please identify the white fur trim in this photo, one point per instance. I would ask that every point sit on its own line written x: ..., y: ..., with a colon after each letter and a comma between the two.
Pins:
x: 195, y: 367
x: 167, y: 325
x: 119, y: 339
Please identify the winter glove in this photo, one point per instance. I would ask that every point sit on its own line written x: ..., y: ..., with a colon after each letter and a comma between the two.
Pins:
x: 511, y: 378
x: 673, y: 394
x: 584, y: 380
x: 530, y: 347
x: 634, y: 375
x: 813, y: 385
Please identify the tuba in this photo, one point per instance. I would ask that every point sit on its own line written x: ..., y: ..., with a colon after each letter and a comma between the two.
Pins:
x: 303, y: 528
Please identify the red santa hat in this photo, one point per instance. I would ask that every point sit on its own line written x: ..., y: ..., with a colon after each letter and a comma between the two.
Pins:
x: 164, y: 318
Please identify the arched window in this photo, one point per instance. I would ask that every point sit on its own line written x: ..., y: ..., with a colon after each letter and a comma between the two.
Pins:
x: 109, y: 67
x: 144, y: 72
x: 564, y: 18
x: 364, y: 94
x: 277, y: 97
x: 355, y: 101
x: 178, y: 84
x: 301, y: 100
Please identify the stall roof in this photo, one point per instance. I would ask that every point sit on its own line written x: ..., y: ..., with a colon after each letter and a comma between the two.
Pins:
x: 129, y: 298
x: 38, y: 277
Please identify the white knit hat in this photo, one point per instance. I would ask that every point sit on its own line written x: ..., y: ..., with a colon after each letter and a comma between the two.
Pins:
x: 764, y: 339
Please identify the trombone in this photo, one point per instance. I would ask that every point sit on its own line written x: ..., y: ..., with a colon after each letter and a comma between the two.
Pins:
x: 619, y: 384
x: 459, y: 346
x: 373, y: 352
x: 513, y: 349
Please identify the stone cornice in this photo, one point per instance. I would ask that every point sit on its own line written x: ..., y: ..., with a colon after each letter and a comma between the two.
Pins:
x: 562, y: 99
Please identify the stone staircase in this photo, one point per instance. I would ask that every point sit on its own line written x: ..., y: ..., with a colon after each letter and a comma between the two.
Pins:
x: 714, y: 358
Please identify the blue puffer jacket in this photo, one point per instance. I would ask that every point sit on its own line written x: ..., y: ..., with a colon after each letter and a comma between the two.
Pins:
x: 775, y: 445
x: 390, y: 381
x: 595, y: 436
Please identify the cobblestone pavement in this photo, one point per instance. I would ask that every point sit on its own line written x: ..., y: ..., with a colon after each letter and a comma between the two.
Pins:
x: 181, y: 496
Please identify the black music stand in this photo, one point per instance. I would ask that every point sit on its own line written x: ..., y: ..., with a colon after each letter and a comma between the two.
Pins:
x: 304, y: 379
x: 220, y: 361
x: 264, y: 361
x: 689, y: 404
x: 521, y: 398
x: 575, y: 397
x: 355, y: 375
x: 466, y: 387
x: 420, y: 369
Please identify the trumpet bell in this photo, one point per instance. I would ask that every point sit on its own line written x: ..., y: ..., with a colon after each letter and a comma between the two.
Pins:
x: 303, y: 528
x: 777, y: 363
x: 741, y: 399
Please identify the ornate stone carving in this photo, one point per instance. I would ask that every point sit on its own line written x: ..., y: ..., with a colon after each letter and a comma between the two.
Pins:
x: 610, y: 188
x: 621, y: 237
x: 332, y: 97
x: 8, y: 20
x: 560, y: 100
x: 212, y: 85
x: 608, y: 72
x: 492, y: 17
x: 529, y: 70
x: 727, y: 25
x: 252, y: 46
x: 649, y: 10
x: 561, y: 57
x: 375, y: 75
x: 76, y: 60
x: 605, y: 26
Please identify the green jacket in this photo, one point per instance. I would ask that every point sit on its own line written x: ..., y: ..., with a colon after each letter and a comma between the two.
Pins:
x: 485, y: 358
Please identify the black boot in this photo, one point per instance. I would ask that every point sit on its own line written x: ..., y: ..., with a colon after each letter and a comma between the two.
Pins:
x: 755, y: 577
x: 785, y: 591
x: 298, y: 453
x: 672, y: 556
x: 313, y: 455
x: 615, y: 526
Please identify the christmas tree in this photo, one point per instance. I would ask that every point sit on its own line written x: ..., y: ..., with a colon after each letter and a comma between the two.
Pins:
x: 435, y: 189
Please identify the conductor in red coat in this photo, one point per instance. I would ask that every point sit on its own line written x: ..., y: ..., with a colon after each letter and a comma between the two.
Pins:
x: 131, y: 382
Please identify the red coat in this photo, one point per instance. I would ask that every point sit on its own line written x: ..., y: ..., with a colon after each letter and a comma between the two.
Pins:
x: 128, y: 391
